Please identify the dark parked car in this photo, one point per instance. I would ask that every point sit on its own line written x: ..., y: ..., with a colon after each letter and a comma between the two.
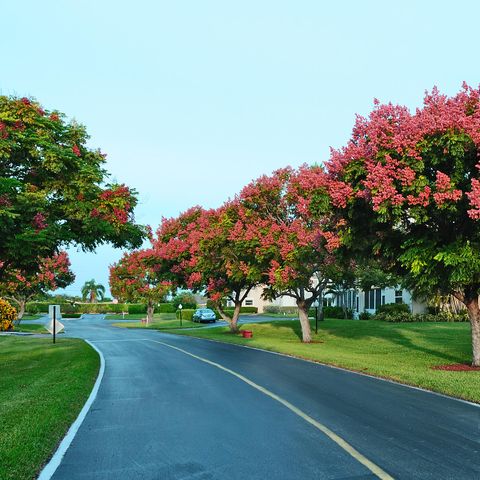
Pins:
x: 204, y: 315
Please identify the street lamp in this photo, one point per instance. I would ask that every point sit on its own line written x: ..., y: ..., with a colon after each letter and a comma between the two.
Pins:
x: 180, y: 306
x: 316, y: 304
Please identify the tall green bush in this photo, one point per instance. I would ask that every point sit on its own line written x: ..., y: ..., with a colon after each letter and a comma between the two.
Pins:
x: 187, y: 313
x: 393, y: 308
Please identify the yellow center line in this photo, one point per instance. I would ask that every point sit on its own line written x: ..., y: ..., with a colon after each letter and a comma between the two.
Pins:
x: 375, y: 469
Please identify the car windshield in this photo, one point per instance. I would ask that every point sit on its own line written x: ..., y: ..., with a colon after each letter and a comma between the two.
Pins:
x: 205, y: 310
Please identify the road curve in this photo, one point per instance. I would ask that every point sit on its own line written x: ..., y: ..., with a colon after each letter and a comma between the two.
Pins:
x: 169, y: 408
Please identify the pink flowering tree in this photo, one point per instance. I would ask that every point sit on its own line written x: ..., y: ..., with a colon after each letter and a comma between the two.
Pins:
x: 292, y: 247
x: 20, y: 286
x: 199, y: 251
x: 133, y: 279
x: 408, y: 186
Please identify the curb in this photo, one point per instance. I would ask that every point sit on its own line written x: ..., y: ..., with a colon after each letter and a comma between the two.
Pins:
x: 51, y: 467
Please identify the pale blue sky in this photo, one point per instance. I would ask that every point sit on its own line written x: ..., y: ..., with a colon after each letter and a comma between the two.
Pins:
x: 193, y: 99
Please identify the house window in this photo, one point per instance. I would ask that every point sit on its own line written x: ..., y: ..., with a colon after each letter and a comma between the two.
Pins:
x: 383, y: 299
x: 248, y: 303
x: 373, y: 299
x: 398, y: 296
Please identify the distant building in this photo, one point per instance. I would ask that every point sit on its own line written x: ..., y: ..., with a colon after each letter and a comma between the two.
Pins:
x: 354, y: 299
x: 360, y: 301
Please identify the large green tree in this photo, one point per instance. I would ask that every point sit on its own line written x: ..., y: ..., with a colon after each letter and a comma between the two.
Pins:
x: 54, y: 190
x: 408, y: 187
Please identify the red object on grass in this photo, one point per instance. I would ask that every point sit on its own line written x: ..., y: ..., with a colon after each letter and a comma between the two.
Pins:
x: 247, y: 333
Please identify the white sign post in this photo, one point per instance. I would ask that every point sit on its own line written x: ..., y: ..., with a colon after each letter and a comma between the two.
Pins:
x: 54, y: 326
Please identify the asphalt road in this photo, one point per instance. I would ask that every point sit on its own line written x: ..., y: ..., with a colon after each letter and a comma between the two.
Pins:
x: 162, y: 413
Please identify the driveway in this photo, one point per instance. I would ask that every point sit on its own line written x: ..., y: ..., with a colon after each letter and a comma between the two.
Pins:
x: 173, y: 407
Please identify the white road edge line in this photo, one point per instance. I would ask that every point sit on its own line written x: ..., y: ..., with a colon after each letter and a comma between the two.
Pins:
x: 375, y: 469
x: 336, y: 367
x: 51, y: 467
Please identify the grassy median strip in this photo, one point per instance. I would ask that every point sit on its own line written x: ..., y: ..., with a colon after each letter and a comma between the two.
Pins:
x: 161, y: 321
x: 30, y: 328
x: 398, y: 351
x: 159, y: 325
x: 43, y: 387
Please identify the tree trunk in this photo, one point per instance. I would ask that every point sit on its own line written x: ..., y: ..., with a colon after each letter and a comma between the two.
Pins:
x: 150, y: 309
x: 234, y: 319
x: 21, y: 310
x: 474, y: 317
x: 303, y: 307
x: 221, y: 311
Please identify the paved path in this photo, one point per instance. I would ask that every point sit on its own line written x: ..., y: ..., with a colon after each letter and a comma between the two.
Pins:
x: 162, y: 413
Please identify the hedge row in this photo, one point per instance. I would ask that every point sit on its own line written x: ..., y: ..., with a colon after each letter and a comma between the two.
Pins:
x: 328, y: 312
x: 403, y: 317
x: 68, y: 308
x: 187, y: 314
x: 278, y: 309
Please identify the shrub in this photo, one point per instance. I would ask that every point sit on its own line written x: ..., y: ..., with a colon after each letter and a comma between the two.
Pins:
x: 365, y: 316
x: 33, y: 310
x: 272, y: 309
x: 249, y: 310
x: 337, y: 312
x: 165, y: 308
x: 137, y: 308
x: 278, y: 309
x: 400, y: 317
x: 187, y: 313
x: 73, y: 315
x: 242, y: 310
x: 69, y: 308
x: 393, y: 308
x: 40, y: 307
x: 403, y: 317
x: 8, y: 315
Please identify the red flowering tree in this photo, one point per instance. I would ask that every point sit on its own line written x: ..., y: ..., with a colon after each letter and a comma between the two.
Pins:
x: 292, y: 248
x: 21, y: 286
x: 198, y: 251
x: 54, y: 190
x: 133, y: 279
x: 408, y: 186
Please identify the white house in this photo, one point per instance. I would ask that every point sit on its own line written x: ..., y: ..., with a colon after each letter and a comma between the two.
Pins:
x: 357, y: 300
x: 369, y: 300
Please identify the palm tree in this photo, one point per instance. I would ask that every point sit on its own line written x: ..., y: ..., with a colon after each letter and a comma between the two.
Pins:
x: 93, y: 291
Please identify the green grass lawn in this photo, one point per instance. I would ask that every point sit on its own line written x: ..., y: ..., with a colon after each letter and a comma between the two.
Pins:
x: 139, y: 316
x: 161, y: 321
x: 30, y: 327
x: 32, y: 317
x: 159, y: 324
x: 399, y: 351
x: 43, y: 387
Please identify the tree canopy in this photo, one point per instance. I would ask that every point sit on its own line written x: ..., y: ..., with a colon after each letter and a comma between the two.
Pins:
x: 54, y: 190
x: 20, y: 286
x: 408, y: 187
x: 133, y: 279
